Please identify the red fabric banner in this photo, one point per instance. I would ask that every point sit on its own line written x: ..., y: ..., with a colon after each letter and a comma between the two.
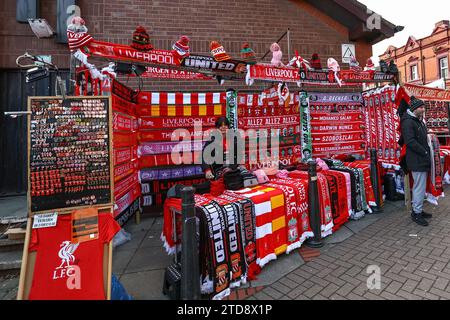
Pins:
x: 122, y: 140
x: 181, y: 111
x: 270, y: 73
x: 123, y: 122
x: 123, y: 170
x: 320, y: 118
x: 330, y: 149
x: 166, y: 135
x: 268, y: 122
x: 174, y: 122
x: 122, y: 105
x: 125, y: 201
x: 125, y: 154
x: 337, y: 137
x: 123, y: 186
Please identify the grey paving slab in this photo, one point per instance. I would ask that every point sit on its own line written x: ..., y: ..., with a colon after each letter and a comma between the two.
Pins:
x: 152, y: 239
x: 276, y: 269
x: 121, y: 259
x: 146, y: 285
x: 150, y: 258
x: 359, y: 225
x: 339, y: 236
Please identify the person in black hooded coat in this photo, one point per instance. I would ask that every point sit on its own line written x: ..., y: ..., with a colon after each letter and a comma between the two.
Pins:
x: 418, y: 159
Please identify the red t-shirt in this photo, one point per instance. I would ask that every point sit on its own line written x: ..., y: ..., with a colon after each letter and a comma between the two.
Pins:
x: 55, y: 254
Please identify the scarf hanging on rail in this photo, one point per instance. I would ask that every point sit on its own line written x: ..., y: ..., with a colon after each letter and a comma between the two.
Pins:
x: 298, y: 227
x: 235, y: 245
x: 247, y: 220
x: 265, y: 249
x: 324, y: 200
x: 215, y: 235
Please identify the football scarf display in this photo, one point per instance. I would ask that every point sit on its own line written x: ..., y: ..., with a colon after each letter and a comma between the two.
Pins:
x: 434, y: 179
x: 152, y: 148
x: 278, y: 218
x: 326, y: 216
x: 178, y: 172
x: 175, y: 123
x: 211, y: 110
x: 338, y: 124
x: 236, y: 250
x: 338, y: 195
x: 357, y: 187
x: 123, y: 140
x: 126, y: 214
x: 125, y: 201
x: 268, y: 122
x: 124, y: 185
x: 121, y: 105
x: 214, y: 223
x: 248, y: 222
x: 267, y: 111
x: 231, y: 108
x: 123, y: 170
x: 160, y: 160
x: 365, y: 166
x: 326, y: 150
x: 267, y: 99
x: 164, y: 99
x: 122, y: 155
x: 297, y: 218
x: 161, y: 186
x: 265, y: 248
x: 305, y: 126
x: 123, y: 122
x: 166, y: 135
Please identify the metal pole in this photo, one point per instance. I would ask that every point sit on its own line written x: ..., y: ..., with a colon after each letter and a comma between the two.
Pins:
x: 313, y: 205
x: 190, y: 272
x: 375, y: 178
x: 289, y: 43
x: 268, y: 51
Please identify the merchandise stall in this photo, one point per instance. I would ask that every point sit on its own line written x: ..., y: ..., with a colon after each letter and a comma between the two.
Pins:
x: 68, y: 246
x: 316, y: 172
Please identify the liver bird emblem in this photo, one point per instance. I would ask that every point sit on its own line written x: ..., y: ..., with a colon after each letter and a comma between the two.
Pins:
x: 66, y: 253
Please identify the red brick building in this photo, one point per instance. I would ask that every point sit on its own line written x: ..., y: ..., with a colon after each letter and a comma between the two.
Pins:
x: 422, y: 61
x: 315, y: 26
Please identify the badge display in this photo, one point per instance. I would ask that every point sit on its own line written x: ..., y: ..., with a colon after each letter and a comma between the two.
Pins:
x: 69, y: 152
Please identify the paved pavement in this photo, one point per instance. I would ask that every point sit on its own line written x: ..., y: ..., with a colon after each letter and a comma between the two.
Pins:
x: 413, y: 260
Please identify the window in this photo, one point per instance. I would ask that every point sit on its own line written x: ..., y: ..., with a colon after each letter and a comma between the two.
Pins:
x: 414, y: 72
x: 443, y: 68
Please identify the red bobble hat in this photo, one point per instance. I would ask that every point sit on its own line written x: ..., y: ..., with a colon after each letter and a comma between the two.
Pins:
x: 218, y: 52
x: 141, y: 40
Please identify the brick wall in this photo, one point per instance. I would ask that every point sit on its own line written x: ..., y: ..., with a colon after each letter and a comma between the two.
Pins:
x: 259, y: 22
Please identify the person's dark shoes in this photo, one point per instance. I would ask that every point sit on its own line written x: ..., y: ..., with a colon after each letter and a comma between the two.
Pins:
x: 426, y: 215
x: 419, y: 219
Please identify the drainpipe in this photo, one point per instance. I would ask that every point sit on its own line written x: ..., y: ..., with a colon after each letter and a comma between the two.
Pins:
x: 423, y: 65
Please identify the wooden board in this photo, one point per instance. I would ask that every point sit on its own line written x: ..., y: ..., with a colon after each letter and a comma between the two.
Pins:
x: 29, y: 261
x: 55, y: 202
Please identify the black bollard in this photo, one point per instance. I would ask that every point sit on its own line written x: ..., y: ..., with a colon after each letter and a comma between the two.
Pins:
x: 375, y: 178
x: 190, y: 273
x: 314, y: 208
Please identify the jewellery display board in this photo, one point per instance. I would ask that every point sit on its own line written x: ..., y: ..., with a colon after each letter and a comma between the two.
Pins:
x: 69, y: 153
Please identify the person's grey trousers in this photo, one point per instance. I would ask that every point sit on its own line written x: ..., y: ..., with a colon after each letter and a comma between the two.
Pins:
x: 418, y: 191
